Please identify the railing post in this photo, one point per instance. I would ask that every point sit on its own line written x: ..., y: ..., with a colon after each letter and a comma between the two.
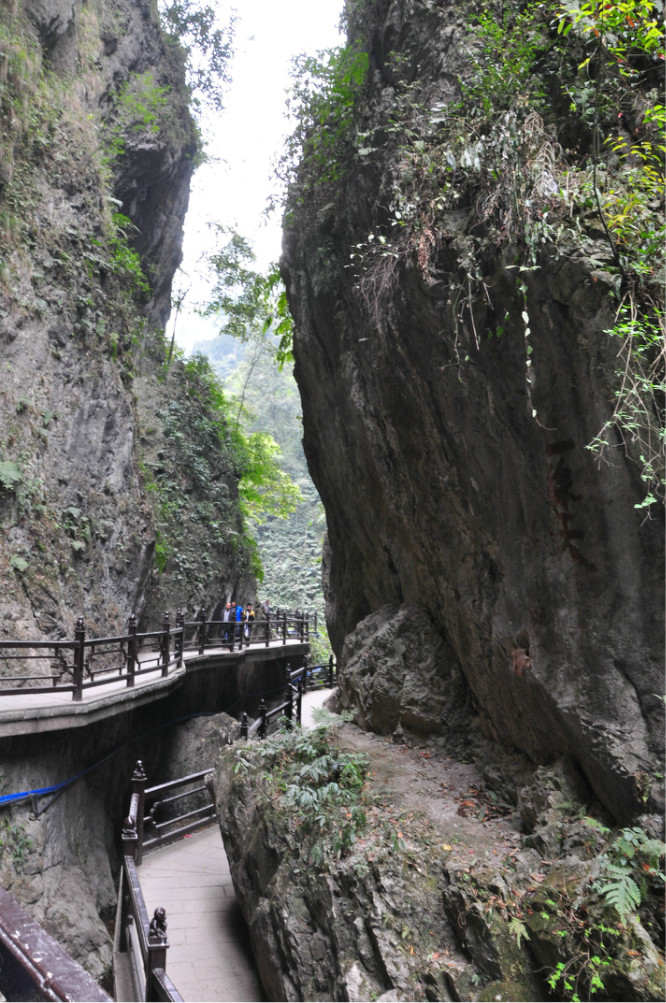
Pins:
x: 157, y: 951
x: 268, y: 629
x: 330, y: 672
x: 245, y: 726
x: 139, y: 789
x: 131, y: 649
x: 179, y: 639
x: 315, y: 622
x: 284, y: 628
x: 289, y: 714
x: 307, y: 626
x: 264, y: 722
x: 79, y: 641
x: 202, y: 630
x: 165, y: 643
x: 129, y: 838
x: 299, y: 699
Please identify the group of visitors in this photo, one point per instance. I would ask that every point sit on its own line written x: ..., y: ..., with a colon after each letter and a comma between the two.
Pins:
x: 233, y: 613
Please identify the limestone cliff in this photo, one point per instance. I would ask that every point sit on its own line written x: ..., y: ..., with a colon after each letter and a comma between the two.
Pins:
x: 453, y: 361
x: 118, y: 488
x: 103, y: 512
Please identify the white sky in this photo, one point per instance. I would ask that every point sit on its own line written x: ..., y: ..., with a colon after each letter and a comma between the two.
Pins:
x: 246, y: 138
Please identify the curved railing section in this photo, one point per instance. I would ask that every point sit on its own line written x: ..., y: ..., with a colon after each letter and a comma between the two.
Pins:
x: 83, y: 663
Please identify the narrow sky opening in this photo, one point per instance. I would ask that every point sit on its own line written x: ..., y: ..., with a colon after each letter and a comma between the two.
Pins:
x: 244, y: 141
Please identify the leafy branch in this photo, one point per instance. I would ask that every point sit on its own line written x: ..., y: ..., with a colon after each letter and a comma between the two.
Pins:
x: 207, y: 46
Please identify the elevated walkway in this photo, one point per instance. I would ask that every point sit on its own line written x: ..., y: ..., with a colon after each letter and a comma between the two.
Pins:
x: 29, y: 712
x: 209, y: 951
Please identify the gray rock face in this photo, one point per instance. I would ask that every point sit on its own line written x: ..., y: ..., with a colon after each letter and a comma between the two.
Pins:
x: 437, y: 898
x: 401, y: 674
x: 454, y: 471
x: 79, y: 528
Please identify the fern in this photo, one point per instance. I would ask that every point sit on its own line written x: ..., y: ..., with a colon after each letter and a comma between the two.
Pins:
x: 518, y: 930
x: 621, y: 892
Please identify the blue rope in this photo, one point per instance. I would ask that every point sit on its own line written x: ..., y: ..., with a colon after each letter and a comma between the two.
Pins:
x: 7, y: 799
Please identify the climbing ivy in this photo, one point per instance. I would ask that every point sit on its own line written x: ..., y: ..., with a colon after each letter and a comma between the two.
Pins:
x: 323, y: 102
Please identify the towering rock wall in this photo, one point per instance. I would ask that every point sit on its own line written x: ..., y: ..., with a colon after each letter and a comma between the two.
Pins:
x: 454, y: 366
x: 118, y: 489
x: 97, y: 149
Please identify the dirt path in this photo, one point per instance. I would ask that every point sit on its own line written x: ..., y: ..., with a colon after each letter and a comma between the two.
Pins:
x: 471, y: 820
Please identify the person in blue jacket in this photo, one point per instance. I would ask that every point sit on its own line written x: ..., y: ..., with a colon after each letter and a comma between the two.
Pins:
x: 239, y: 621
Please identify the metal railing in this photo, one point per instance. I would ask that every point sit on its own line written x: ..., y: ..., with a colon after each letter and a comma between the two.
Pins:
x: 142, y: 942
x: 94, y: 661
x: 202, y: 634
x: 154, y: 820
x: 33, y: 966
x: 298, y: 682
x: 83, y: 663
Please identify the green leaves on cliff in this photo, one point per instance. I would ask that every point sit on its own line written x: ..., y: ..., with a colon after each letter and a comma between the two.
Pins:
x: 318, y: 782
x: 324, y: 98
x: 555, y: 140
x: 137, y: 109
x: 264, y: 489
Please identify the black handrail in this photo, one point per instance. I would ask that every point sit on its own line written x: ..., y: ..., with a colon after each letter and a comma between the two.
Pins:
x: 143, y: 942
x: 307, y: 677
x: 142, y: 831
x: 134, y: 654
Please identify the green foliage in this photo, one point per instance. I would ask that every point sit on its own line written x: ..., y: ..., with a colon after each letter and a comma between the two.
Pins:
x: 10, y: 475
x: 629, y: 864
x: 518, y: 930
x: 319, y: 783
x: 558, y: 134
x: 137, y: 110
x: 207, y: 450
x: 14, y: 843
x: 123, y: 261
x: 323, y: 103
x: 639, y: 397
x: 251, y: 305
x: 207, y: 47
x: 290, y: 549
x: 265, y: 489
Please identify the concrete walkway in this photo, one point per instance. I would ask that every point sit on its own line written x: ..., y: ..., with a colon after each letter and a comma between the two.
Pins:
x: 209, y: 957
x: 28, y: 712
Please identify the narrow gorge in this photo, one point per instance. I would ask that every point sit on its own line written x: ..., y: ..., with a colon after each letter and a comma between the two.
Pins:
x: 473, y: 262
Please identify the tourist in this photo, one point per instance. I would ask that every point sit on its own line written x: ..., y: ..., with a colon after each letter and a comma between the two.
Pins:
x: 226, y: 617
x: 249, y: 620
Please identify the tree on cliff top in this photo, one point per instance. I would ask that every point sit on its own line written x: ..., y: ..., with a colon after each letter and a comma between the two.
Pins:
x: 206, y: 43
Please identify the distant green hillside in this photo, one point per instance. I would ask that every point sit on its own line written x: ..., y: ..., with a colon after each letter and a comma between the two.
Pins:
x: 290, y: 548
